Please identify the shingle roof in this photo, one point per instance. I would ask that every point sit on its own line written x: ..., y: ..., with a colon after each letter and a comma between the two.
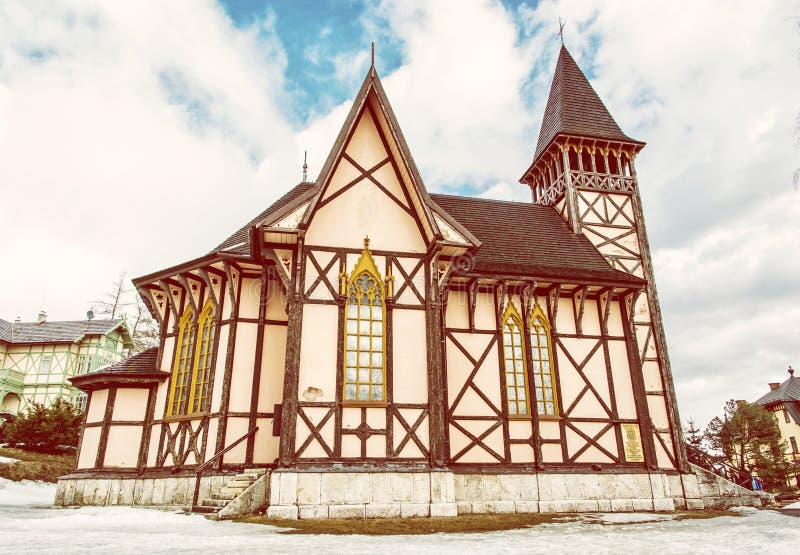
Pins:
x: 526, y: 239
x: 242, y: 235
x: 574, y: 108
x: 787, y: 391
x: 55, y: 332
x: 140, y: 362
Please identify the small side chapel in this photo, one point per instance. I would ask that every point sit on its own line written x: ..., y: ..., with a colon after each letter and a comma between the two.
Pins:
x: 365, y: 348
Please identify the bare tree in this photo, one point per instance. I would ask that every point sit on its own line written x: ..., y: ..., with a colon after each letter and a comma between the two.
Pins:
x: 123, y: 301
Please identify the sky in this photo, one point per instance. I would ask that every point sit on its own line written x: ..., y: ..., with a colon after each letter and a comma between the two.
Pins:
x: 138, y: 135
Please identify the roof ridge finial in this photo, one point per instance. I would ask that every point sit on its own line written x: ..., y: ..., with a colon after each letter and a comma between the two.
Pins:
x: 561, y: 24
x: 305, y: 166
x: 372, y: 64
x: 791, y: 370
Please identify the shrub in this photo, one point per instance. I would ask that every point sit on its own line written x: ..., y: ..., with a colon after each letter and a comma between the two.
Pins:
x: 46, y: 430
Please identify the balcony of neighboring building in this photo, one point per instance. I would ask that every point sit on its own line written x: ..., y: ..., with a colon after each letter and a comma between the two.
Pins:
x: 11, y: 380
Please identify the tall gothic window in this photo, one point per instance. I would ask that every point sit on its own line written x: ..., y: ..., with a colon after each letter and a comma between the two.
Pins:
x: 543, y: 377
x: 364, y: 346
x: 514, y: 363
x: 206, y: 327
x: 181, y: 370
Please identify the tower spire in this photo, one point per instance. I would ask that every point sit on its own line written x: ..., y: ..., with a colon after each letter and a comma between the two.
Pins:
x: 305, y: 166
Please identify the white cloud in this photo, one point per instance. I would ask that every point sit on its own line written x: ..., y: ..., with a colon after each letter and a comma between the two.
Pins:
x: 132, y: 137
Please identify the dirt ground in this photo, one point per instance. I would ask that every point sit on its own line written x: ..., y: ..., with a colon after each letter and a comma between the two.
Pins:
x: 35, y: 466
x: 417, y: 526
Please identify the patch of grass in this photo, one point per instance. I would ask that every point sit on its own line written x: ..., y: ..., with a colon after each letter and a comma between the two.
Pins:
x: 465, y: 524
x: 35, y: 466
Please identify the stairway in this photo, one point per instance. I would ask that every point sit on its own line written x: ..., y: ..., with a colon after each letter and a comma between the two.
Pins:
x: 225, y: 495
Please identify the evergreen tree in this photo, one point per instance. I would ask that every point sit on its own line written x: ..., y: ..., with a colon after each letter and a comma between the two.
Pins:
x: 694, y: 436
x: 46, y: 429
x: 750, y: 440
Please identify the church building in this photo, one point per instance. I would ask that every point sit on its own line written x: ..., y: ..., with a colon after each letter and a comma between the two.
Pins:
x: 365, y: 348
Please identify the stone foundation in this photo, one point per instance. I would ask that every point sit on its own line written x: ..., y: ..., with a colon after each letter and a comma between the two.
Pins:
x: 361, y: 494
x: 291, y: 494
x: 171, y: 493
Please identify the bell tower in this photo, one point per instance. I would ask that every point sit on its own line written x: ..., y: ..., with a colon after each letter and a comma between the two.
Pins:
x: 583, y: 167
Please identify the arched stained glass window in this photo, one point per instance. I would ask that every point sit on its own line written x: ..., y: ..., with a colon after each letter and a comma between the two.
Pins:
x: 544, y: 381
x: 364, y: 346
x: 181, y: 370
x: 206, y: 328
x: 514, y: 363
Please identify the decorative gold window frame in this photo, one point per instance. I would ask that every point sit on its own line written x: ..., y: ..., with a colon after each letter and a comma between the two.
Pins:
x: 184, y: 349
x: 201, y: 368
x: 364, y: 268
x: 540, y: 329
x: 514, y: 364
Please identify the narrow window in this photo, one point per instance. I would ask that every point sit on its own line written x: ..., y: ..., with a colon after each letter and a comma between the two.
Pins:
x: 79, y: 401
x: 206, y: 327
x: 514, y: 363
x: 542, y: 355
x: 793, y: 441
x: 365, y: 308
x: 179, y: 394
x: 574, y: 165
x: 44, y: 364
x: 613, y: 167
x: 599, y: 162
x: 786, y: 416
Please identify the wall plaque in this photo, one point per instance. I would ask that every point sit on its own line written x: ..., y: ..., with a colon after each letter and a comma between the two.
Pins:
x: 632, y: 442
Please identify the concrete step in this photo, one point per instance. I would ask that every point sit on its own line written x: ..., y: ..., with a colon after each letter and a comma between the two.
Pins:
x: 231, y: 490
x: 240, y: 483
x: 204, y: 509
x: 223, y: 496
x: 218, y: 503
x: 254, y: 471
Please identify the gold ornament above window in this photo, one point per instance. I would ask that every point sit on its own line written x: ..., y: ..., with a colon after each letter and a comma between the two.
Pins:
x: 364, y: 345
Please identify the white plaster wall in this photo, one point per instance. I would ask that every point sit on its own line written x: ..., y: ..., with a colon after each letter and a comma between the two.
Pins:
x: 410, y: 357
x: 122, y: 449
x: 97, y: 406
x: 243, y: 362
x: 273, y: 363
x: 485, y: 311
x: 457, y: 313
x: 89, y: 444
x: 130, y: 404
x: 251, y: 296
x: 318, y: 346
x: 621, y: 375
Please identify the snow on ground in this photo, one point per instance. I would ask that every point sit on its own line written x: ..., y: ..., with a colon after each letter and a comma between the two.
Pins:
x: 27, y: 527
x: 25, y: 493
x: 795, y: 505
x: 7, y: 460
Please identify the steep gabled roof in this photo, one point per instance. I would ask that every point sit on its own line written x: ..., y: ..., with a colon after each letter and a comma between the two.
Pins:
x: 59, y: 332
x: 524, y: 239
x: 787, y: 391
x: 574, y: 108
x: 371, y: 94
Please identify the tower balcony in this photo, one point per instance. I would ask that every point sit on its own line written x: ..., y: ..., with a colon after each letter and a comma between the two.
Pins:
x: 548, y: 192
x: 11, y: 380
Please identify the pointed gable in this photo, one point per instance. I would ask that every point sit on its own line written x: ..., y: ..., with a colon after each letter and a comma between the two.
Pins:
x: 574, y: 108
x: 371, y: 168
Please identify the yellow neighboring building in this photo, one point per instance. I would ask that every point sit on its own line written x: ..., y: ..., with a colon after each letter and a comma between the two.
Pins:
x: 783, y: 400
x: 37, y: 358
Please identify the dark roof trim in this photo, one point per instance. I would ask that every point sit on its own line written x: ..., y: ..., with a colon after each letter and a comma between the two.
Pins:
x: 104, y: 380
x: 211, y: 258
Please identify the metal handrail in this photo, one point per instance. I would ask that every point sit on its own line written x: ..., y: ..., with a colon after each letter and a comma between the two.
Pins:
x: 201, y: 467
x: 718, y: 467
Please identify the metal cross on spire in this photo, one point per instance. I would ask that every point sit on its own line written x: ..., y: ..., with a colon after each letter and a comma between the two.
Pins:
x: 561, y: 24
x: 305, y: 166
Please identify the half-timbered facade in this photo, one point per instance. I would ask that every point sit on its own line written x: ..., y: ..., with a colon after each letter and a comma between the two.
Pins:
x: 377, y: 350
x: 37, y: 359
